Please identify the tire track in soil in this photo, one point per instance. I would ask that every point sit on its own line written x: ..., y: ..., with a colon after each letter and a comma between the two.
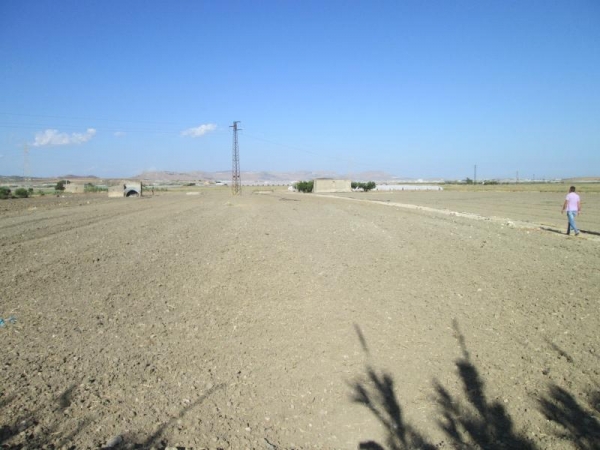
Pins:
x: 48, y: 224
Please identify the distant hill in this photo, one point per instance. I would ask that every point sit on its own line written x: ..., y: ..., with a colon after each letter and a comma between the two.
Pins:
x: 261, y: 176
x: 72, y: 177
x: 252, y: 177
x: 582, y: 180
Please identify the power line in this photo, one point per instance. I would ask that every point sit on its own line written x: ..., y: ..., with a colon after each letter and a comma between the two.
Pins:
x: 63, y: 126
x: 25, y: 162
x: 66, y: 127
x: 78, y: 127
x: 350, y: 161
x: 88, y: 118
x: 12, y: 121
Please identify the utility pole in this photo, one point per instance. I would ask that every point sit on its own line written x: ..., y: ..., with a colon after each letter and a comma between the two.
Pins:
x: 25, y: 162
x: 517, y: 177
x: 475, y: 174
x: 236, y: 181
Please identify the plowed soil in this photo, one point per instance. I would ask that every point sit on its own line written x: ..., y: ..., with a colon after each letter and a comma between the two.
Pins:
x: 285, y: 321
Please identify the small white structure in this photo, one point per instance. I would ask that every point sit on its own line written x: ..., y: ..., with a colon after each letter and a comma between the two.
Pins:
x: 327, y: 185
x: 408, y: 187
x: 126, y: 189
x: 74, y: 188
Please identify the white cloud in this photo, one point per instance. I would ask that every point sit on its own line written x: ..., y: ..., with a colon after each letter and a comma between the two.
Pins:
x: 200, y: 130
x: 53, y: 137
x: 119, y: 133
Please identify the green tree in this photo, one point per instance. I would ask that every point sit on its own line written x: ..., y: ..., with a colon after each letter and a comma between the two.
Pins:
x: 22, y: 193
x: 60, y: 186
x: 304, y: 186
x: 369, y: 186
x: 4, y: 192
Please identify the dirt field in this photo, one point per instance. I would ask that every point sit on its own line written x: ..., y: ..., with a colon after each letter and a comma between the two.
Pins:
x: 284, y: 321
x: 537, y: 208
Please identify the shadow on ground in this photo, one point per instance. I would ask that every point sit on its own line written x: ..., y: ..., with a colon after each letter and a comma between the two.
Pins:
x: 28, y: 424
x: 155, y: 438
x: 474, y: 423
x: 595, y: 233
x: 26, y: 430
x: 554, y: 230
x: 579, y: 426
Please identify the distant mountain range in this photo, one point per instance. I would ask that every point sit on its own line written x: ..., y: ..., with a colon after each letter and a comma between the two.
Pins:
x: 255, y: 177
x: 225, y: 175
x: 263, y: 176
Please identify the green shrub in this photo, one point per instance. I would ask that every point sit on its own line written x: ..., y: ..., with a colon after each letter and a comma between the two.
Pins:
x: 60, y: 186
x: 89, y: 187
x: 4, y: 192
x: 304, y: 186
x: 368, y: 186
x: 22, y: 193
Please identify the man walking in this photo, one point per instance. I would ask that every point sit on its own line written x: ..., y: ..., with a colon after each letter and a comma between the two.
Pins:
x: 572, y: 205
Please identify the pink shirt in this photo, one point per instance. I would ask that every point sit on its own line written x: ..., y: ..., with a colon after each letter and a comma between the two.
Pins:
x: 572, y: 201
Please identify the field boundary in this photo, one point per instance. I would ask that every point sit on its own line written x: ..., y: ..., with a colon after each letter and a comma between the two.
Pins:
x: 472, y: 216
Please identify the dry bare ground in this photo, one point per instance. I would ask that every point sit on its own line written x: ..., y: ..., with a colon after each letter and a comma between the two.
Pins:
x: 286, y: 321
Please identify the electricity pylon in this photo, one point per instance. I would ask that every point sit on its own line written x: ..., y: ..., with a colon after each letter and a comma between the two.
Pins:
x: 236, y: 180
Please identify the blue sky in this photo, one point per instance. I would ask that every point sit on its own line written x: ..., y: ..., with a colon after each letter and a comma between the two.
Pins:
x: 415, y: 88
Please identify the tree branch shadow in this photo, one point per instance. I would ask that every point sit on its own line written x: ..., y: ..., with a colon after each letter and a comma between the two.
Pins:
x: 375, y: 391
x: 579, y: 424
x: 25, y: 423
x: 560, y: 351
x: 475, y: 423
x: 377, y: 394
x: 19, y: 432
x: 153, y: 439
